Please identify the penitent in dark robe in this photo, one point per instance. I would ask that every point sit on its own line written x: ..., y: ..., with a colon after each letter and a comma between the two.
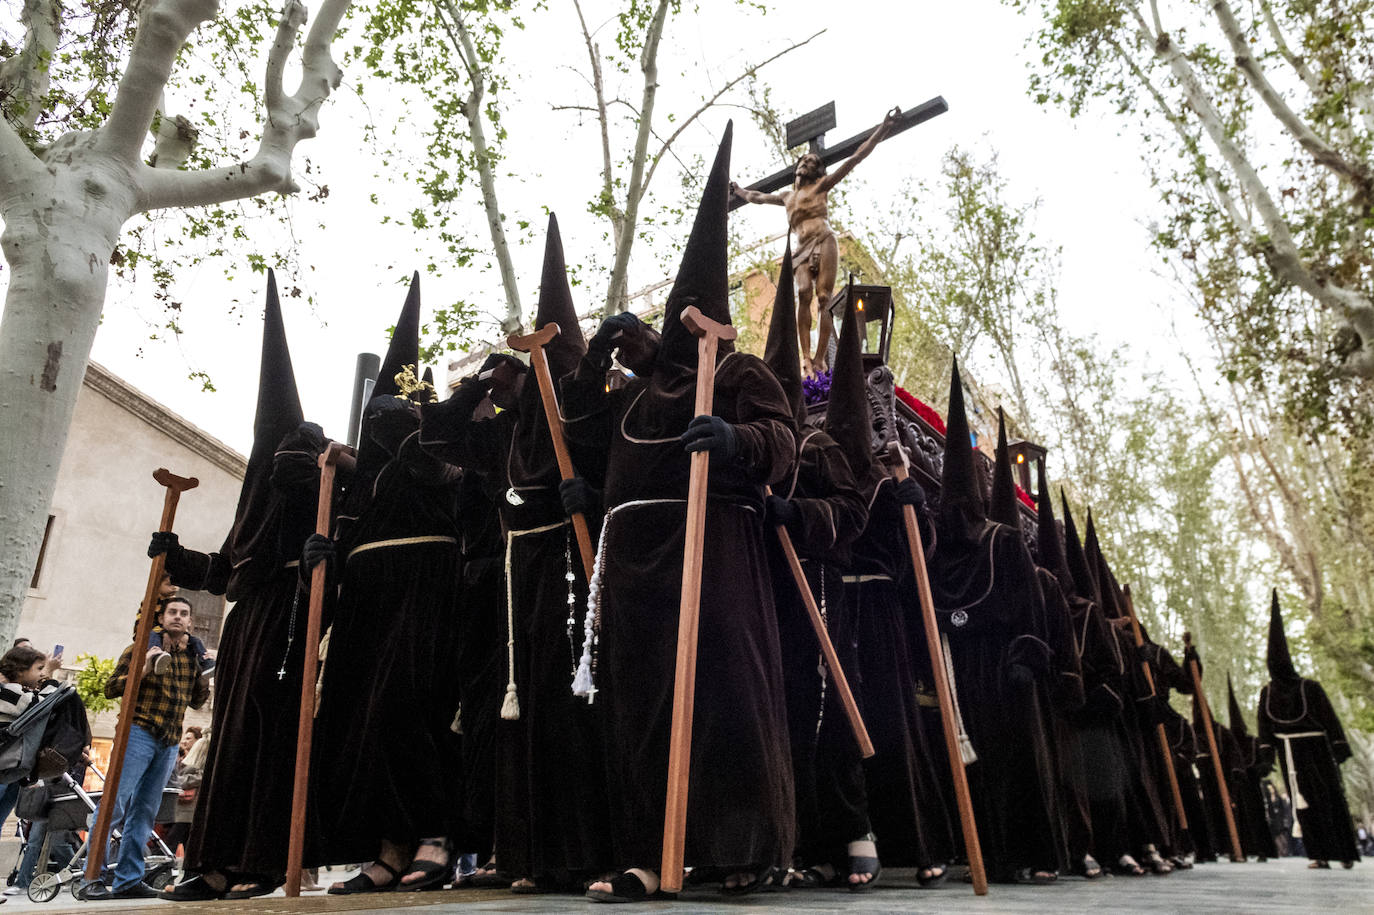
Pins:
x: 1296, y: 720
x: 1101, y: 730
x: 1253, y: 763
x: 1066, y: 698
x: 823, y: 510
x: 551, y: 821
x: 906, y: 803
x: 740, y: 814
x: 1169, y: 675
x: 241, y: 823
x: 386, y: 761
x: 991, y: 612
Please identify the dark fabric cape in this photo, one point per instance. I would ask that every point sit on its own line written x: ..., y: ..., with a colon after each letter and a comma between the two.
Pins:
x: 832, y: 804
x: 551, y: 818
x: 1298, y: 706
x: 989, y: 604
x: 906, y: 801
x: 740, y: 810
x: 386, y: 760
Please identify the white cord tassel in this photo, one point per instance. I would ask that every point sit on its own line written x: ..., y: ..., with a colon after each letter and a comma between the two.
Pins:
x: 966, y: 751
x: 582, y: 684
x: 510, y: 708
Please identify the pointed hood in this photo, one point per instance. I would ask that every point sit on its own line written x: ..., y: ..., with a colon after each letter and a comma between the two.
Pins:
x: 782, y: 352
x: 1235, y: 719
x: 847, y: 417
x: 1108, y: 599
x: 703, y: 276
x: 961, y: 491
x: 403, y: 350
x: 1003, y: 506
x: 556, y: 307
x: 1051, y: 548
x: 428, y: 376
x: 278, y: 413
x: 405, y: 342
x: 1279, y: 661
x: 1084, y: 585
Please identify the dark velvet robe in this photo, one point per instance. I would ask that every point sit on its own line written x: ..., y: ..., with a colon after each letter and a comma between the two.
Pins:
x: 906, y: 804
x: 832, y: 803
x: 1310, y: 764
x: 242, y: 820
x: 989, y: 604
x: 1211, y: 793
x: 1148, y: 782
x: 1200, y: 835
x: 481, y: 659
x: 1066, y: 701
x: 1252, y: 764
x: 551, y: 819
x: 386, y: 762
x: 740, y: 810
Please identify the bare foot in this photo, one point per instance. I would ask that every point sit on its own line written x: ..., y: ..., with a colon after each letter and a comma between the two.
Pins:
x: 861, y: 848
x: 434, y: 851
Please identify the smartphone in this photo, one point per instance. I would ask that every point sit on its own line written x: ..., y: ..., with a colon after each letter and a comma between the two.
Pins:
x: 57, y: 651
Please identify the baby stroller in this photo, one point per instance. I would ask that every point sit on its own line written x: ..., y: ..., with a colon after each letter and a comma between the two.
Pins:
x: 70, y: 808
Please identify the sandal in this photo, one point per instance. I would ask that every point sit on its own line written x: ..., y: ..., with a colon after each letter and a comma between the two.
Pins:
x: 1128, y: 867
x: 193, y: 889
x: 1031, y: 876
x: 534, y: 886
x: 1319, y: 865
x: 1091, y: 869
x: 362, y: 883
x: 1156, y: 863
x: 863, y: 864
x: 764, y: 878
x: 626, y: 887
x: 810, y: 878
x: 1347, y: 864
x: 935, y: 875
x: 433, y: 875
x: 486, y: 877
x: 1182, y: 862
x: 254, y: 889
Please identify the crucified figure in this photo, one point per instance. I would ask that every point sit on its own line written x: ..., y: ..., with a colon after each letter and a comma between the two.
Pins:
x: 816, y: 254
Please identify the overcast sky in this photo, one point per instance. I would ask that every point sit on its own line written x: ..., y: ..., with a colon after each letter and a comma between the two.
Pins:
x: 875, y: 54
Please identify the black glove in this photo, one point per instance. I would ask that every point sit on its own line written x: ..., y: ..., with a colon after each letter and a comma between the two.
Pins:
x: 578, y: 496
x: 504, y: 370
x: 604, y: 342
x: 713, y: 434
x: 317, y: 549
x: 449, y: 415
x: 780, y: 511
x: 909, y: 492
x: 164, y: 542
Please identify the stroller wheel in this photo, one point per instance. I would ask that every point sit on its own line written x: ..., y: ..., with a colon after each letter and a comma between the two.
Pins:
x: 44, y: 888
x: 162, y: 877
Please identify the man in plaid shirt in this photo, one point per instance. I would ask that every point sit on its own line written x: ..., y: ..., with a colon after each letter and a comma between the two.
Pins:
x: 152, y: 752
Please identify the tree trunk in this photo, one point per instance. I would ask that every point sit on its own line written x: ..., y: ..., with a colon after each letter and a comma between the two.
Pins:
x: 59, y: 233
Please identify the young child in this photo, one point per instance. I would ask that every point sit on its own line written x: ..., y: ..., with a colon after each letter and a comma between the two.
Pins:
x: 25, y: 675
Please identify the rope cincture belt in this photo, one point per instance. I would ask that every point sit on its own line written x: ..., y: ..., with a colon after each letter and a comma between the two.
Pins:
x: 510, y: 705
x: 1299, y: 802
x: 860, y: 579
x: 400, y: 541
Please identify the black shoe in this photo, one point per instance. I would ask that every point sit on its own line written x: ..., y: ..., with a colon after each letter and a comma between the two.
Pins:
x: 139, y: 890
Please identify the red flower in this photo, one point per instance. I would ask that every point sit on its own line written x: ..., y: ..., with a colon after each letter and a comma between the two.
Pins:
x: 921, y: 409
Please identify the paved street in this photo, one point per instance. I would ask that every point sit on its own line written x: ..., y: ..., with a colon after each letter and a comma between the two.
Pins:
x: 1278, y: 886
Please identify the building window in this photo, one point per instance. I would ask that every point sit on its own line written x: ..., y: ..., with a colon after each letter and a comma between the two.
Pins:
x: 42, y: 552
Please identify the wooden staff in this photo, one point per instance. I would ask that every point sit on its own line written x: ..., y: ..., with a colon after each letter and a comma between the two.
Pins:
x: 95, y: 858
x: 305, y: 727
x: 1237, y: 856
x: 832, y: 660
x: 684, y: 683
x: 1159, y: 726
x: 534, y: 345
x: 937, y: 663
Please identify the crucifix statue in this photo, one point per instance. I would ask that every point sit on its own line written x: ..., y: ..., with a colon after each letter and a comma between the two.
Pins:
x: 816, y: 251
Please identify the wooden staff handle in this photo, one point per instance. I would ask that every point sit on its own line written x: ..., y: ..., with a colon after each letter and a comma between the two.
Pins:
x: 174, y: 486
x: 710, y: 333
x: 1237, y: 855
x: 832, y: 660
x: 962, y: 797
x: 1159, y: 726
x: 336, y: 453
x: 534, y: 345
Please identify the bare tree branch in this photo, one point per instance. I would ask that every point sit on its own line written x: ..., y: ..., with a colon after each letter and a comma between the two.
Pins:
x: 1297, y: 63
x: 598, y: 86
x: 24, y: 78
x: 294, y: 118
x: 163, y: 28
x: 1354, y: 173
x: 705, y: 106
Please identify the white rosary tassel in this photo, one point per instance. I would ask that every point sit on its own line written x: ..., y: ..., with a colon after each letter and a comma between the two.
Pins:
x: 582, y: 684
